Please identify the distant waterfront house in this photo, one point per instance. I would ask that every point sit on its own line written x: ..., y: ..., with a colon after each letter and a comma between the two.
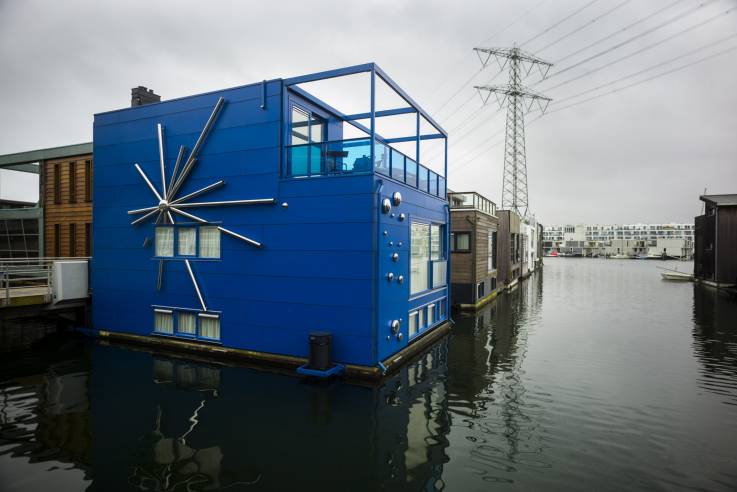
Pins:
x: 473, y: 246
x: 247, y: 218
x: 510, y: 248
x: 715, y: 260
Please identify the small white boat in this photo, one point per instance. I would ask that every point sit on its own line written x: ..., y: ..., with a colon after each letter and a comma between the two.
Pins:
x: 620, y: 256
x: 673, y: 275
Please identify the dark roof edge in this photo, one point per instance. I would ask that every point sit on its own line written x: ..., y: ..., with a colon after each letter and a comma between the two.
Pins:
x: 725, y: 200
x: 44, y: 154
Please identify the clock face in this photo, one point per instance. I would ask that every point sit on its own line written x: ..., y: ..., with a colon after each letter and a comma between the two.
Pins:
x: 169, y: 203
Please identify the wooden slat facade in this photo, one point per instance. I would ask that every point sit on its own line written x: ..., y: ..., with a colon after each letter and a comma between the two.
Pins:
x: 67, y: 202
x: 471, y: 268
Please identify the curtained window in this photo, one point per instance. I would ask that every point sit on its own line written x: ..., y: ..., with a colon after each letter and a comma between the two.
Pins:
x: 163, y: 321
x: 164, y: 241
x: 186, y: 323
x: 420, y: 256
x: 210, y: 326
x: 187, y: 241
x: 209, y: 242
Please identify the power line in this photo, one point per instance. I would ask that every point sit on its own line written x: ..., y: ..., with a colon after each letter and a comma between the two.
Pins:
x: 645, y: 48
x: 462, y: 163
x: 575, y: 12
x: 465, y: 84
x: 496, y: 34
x: 581, y: 28
x: 630, y: 40
x: 653, y: 67
x: 625, y: 28
x: 656, y: 76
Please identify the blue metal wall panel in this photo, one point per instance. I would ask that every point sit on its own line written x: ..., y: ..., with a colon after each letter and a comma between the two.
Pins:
x: 395, y: 301
x: 322, y: 250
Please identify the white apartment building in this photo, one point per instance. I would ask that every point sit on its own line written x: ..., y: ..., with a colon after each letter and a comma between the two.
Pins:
x: 590, y: 239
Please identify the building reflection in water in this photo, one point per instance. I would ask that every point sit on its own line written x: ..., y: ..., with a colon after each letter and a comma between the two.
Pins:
x: 45, y: 415
x: 133, y: 420
x: 487, y: 391
x: 715, y: 341
x: 195, y: 426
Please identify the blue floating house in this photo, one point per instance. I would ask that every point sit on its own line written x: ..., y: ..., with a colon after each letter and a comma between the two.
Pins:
x: 241, y: 220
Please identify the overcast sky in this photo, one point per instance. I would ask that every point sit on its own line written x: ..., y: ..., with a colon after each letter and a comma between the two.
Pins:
x: 641, y: 154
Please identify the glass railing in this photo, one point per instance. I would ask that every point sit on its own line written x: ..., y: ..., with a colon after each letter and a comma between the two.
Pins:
x: 471, y: 200
x: 354, y: 157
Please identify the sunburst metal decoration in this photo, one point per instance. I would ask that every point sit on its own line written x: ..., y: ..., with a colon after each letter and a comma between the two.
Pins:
x: 168, y: 201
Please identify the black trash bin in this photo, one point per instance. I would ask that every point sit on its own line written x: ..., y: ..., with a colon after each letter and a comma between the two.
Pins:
x: 320, y: 347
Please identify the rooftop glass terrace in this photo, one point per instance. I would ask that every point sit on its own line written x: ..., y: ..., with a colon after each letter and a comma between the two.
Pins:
x: 318, y: 144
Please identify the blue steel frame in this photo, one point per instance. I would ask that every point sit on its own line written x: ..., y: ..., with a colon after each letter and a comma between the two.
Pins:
x: 374, y: 71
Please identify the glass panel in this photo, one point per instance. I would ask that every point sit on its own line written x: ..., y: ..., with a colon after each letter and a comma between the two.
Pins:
x: 352, y: 155
x: 163, y: 322
x: 317, y: 129
x: 433, y: 190
x: 420, y: 255
x: 441, y: 186
x: 297, y: 158
x: 315, y: 158
x: 397, y: 165
x: 461, y: 200
x: 381, y: 158
x: 439, y: 273
x: 441, y: 309
x: 422, y: 180
x: 299, y: 126
x: 187, y: 237
x: 463, y: 241
x: 186, y: 323
x: 412, y: 324
x: 436, y: 242
x: 209, y: 242
x: 411, y: 172
x: 164, y: 241
x: 210, y: 327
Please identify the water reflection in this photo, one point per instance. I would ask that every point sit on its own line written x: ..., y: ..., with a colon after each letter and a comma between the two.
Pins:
x: 487, y: 390
x: 715, y: 341
x: 624, y: 382
x: 160, y: 423
x: 45, y: 414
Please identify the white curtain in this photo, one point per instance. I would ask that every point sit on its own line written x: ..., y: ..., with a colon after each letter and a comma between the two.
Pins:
x: 420, y: 255
x: 412, y: 324
x: 210, y: 327
x: 186, y: 323
x: 164, y: 241
x: 163, y: 322
x: 209, y: 242
x: 187, y: 237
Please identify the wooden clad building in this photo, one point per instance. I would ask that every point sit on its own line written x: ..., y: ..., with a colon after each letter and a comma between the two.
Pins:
x: 509, y: 248
x: 60, y: 223
x: 67, y: 203
x: 715, y: 238
x: 473, y: 249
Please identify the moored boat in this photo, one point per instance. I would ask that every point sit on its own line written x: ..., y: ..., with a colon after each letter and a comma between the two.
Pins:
x: 674, y: 275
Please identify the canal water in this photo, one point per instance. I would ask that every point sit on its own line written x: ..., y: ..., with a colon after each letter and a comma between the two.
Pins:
x: 592, y: 374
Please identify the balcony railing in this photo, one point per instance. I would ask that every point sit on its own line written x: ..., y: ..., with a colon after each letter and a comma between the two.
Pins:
x: 471, y: 200
x: 348, y: 157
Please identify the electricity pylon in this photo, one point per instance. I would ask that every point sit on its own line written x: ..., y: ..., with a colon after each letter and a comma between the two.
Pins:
x: 518, y: 99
